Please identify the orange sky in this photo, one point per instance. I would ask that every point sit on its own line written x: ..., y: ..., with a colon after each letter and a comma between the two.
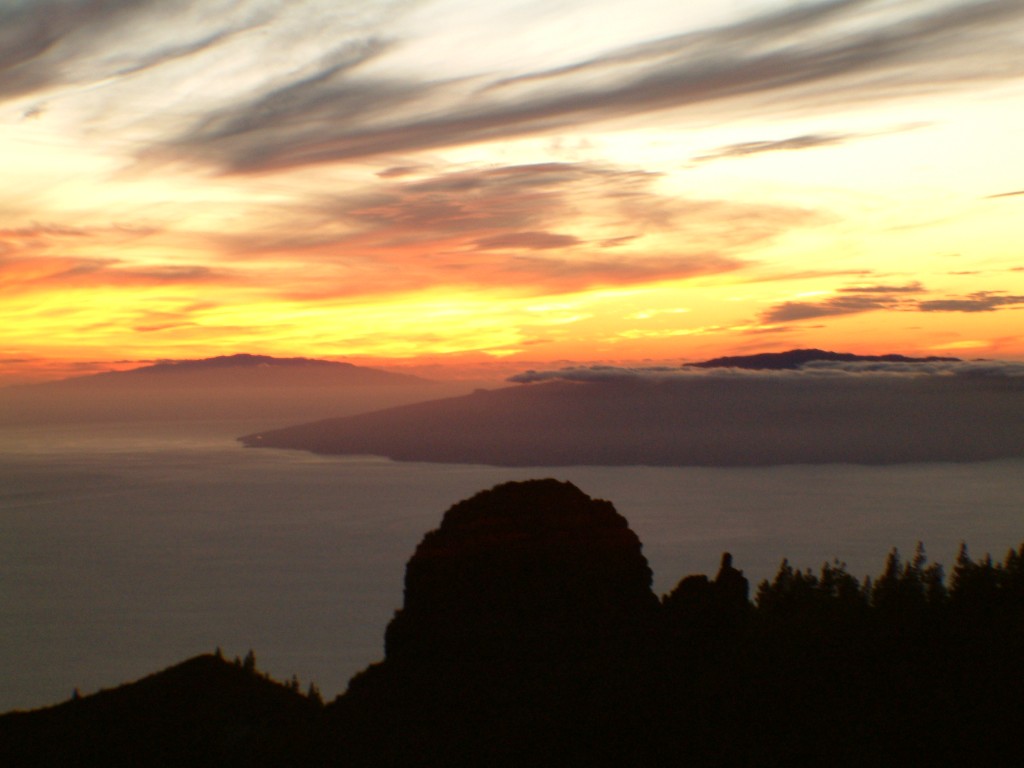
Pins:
x: 508, y: 184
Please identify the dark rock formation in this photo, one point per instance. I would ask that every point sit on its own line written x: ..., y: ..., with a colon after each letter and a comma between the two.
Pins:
x: 525, y: 638
x: 532, y: 567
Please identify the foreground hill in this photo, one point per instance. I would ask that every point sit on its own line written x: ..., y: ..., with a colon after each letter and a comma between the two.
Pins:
x: 202, y: 712
x: 722, y: 417
x: 529, y: 636
x: 226, y: 387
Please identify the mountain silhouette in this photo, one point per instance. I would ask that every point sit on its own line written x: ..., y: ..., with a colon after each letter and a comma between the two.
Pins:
x: 202, y: 712
x: 794, y: 358
x: 529, y: 636
x: 240, y: 386
x: 736, y: 419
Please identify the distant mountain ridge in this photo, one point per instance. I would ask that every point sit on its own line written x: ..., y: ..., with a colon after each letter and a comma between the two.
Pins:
x: 794, y: 358
x: 238, y: 386
x: 694, y: 419
x: 239, y: 360
x: 239, y: 365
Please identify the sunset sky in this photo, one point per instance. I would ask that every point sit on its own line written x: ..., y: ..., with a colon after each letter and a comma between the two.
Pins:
x: 497, y: 184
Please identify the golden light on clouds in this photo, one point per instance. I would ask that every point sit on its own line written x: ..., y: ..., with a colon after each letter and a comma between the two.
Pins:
x: 449, y: 180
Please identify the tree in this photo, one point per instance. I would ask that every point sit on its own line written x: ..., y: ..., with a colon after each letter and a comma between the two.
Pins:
x: 313, y: 694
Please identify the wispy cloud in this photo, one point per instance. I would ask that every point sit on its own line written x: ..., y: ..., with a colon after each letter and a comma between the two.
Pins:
x: 536, y: 228
x: 802, y: 56
x: 532, y: 241
x: 790, y: 311
x: 22, y: 275
x: 857, y: 299
x: 743, y: 149
x: 914, y: 287
x: 45, y: 43
x: 982, y: 301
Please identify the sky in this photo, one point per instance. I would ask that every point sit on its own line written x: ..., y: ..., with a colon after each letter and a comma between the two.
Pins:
x: 461, y: 186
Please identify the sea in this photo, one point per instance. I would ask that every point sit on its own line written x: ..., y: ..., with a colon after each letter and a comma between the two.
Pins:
x: 125, y: 549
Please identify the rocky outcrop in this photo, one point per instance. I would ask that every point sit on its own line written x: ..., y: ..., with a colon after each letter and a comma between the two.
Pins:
x: 533, y: 567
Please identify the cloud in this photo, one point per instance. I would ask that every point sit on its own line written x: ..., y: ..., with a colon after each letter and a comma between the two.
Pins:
x: 507, y: 227
x: 982, y: 301
x: 914, y: 287
x: 837, y: 305
x: 807, y: 141
x: 155, y: 322
x: 857, y: 299
x: 805, y: 56
x: 22, y: 275
x: 568, y: 275
x: 46, y: 43
x: 522, y: 275
x: 969, y: 369
x: 399, y: 171
x: 531, y: 241
x: 506, y: 205
x: 792, y: 143
x: 963, y: 368
x: 47, y: 255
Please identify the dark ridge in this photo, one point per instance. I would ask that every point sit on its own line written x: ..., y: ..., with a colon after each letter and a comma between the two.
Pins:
x: 689, y: 421
x: 264, y: 389
x: 205, y: 711
x: 794, y: 358
x: 241, y: 360
x: 529, y: 637
x: 237, y: 364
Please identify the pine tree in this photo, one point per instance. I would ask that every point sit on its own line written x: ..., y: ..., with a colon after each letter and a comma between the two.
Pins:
x: 313, y: 694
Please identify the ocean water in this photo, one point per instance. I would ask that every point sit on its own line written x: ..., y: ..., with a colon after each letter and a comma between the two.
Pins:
x: 124, y: 550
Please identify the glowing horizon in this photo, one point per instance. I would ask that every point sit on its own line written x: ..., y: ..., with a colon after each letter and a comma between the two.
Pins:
x: 444, y: 184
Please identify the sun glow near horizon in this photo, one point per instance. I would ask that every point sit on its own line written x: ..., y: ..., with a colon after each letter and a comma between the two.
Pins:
x: 315, y: 181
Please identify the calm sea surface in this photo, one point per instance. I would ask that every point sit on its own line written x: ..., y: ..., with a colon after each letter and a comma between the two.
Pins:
x: 125, y: 550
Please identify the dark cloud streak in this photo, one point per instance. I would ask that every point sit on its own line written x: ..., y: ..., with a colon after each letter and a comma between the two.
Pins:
x: 44, y: 43
x: 838, y: 305
x: 804, y: 51
x: 894, y: 298
x: 982, y: 301
x: 808, y: 141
